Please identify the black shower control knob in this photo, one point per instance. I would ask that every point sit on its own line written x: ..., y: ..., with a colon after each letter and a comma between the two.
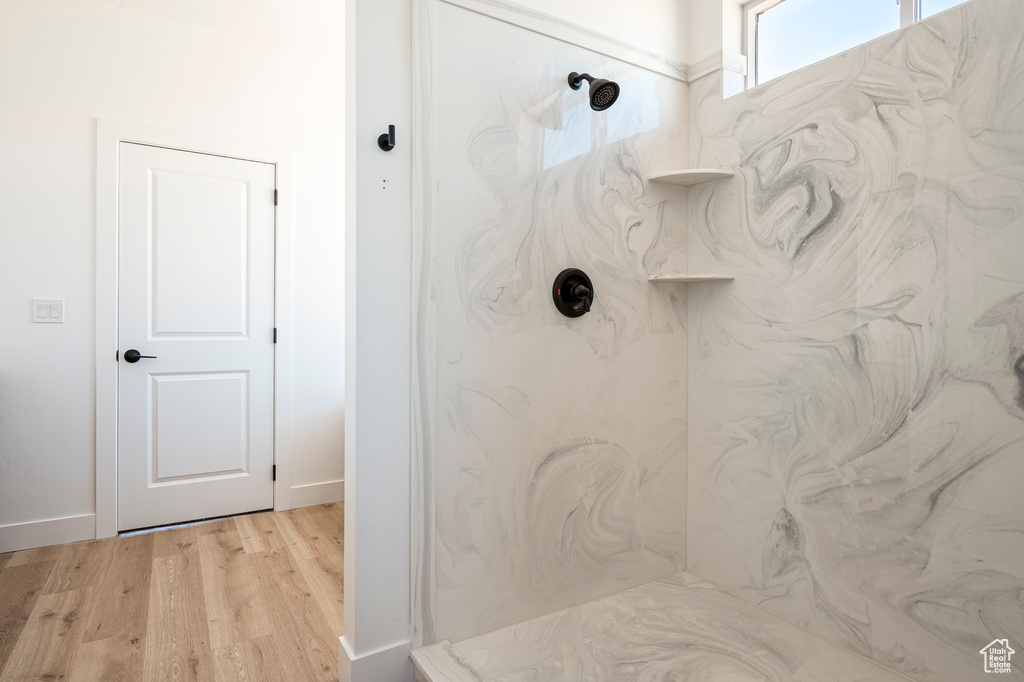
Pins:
x: 573, y: 292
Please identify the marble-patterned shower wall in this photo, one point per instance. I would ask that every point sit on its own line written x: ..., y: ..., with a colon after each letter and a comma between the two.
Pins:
x: 558, y: 445
x: 856, y: 452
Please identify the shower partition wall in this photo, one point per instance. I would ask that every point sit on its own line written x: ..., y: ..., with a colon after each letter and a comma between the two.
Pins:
x: 551, y: 450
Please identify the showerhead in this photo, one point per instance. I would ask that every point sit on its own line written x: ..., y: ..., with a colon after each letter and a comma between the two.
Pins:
x: 603, y: 93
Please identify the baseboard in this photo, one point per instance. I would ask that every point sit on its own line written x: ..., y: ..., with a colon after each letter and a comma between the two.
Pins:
x: 31, y: 534
x: 390, y: 664
x: 317, y: 493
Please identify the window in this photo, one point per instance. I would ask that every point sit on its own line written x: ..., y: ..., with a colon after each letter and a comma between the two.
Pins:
x: 930, y: 7
x: 786, y: 35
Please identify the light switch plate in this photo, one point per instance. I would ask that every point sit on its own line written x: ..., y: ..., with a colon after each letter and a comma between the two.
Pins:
x: 48, y: 310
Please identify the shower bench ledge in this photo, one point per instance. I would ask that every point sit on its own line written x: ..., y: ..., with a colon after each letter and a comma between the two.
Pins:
x: 679, y: 627
x: 697, y: 277
x: 691, y: 176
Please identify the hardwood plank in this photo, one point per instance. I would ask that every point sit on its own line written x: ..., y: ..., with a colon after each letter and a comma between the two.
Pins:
x: 336, y: 509
x: 333, y: 507
x: 114, y: 659
x: 4, y: 558
x: 253, y: 661
x: 48, y: 643
x: 328, y: 531
x: 333, y: 513
x: 307, y: 637
x: 20, y: 588
x: 177, y: 639
x: 80, y: 565
x: 323, y: 574
x: 174, y: 540
x: 302, y: 535
x: 35, y: 555
x: 121, y: 600
x: 259, y: 533
x: 295, y: 542
x: 312, y: 533
x: 234, y: 606
x: 216, y: 526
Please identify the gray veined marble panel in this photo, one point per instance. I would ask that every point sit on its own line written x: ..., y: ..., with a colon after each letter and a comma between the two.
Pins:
x: 857, y: 450
x: 677, y: 629
x: 559, y: 445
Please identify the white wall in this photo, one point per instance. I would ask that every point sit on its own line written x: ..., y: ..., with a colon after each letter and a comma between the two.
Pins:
x: 376, y: 644
x: 659, y: 26
x: 270, y: 74
x: 713, y: 24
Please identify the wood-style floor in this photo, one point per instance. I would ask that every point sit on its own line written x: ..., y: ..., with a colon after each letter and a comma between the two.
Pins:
x: 254, y: 597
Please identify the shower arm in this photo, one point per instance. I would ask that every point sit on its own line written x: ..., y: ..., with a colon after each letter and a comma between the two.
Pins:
x: 576, y: 79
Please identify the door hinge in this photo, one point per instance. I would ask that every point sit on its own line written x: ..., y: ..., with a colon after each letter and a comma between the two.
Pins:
x: 275, y: 334
x: 273, y: 473
x: 275, y: 197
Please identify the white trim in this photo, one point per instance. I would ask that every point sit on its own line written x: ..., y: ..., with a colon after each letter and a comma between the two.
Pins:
x: 312, y: 494
x: 910, y: 12
x: 284, y: 323
x: 17, y: 536
x: 109, y: 134
x: 549, y: 25
x: 392, y: 663
x: 721, y: 59
x: 750, y: 12
x: 106, y: 329
x: 349, y: 160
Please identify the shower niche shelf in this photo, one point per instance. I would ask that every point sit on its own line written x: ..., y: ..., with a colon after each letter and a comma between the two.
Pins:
x: 691, y: 176
x: 698, y: 277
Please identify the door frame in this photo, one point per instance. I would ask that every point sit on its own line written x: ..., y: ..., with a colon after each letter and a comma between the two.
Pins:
x: 109, y: 136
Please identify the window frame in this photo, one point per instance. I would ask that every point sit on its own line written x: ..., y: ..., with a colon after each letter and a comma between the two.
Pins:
x: 910, y: 13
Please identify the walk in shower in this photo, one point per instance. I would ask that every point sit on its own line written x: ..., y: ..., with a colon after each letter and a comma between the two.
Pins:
x: 787, y: 440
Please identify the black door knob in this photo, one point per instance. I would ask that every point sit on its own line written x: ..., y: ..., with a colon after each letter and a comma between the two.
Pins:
x: 132, y: 355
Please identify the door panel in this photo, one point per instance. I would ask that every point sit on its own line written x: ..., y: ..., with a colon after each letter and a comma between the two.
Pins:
x: 200, y: 423
x: 199, y: 291
x: 195, y: 290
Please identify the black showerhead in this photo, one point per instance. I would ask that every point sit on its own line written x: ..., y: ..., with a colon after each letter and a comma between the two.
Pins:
x: 603, y: 93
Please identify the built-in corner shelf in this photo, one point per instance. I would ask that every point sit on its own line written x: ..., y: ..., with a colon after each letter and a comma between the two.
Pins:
x: 687, y: 178
x: 703, y: 277
x: 691, y: 176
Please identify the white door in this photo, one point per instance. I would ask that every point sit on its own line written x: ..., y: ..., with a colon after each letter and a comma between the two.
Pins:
x: 196, y: 291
